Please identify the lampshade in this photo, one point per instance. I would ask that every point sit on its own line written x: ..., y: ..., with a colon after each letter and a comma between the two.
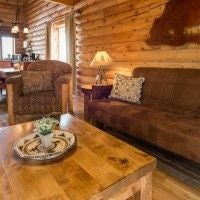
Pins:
x: 101, y: 59
x: 25, y: 44
x: 25, y: 30
x: 15, y: 29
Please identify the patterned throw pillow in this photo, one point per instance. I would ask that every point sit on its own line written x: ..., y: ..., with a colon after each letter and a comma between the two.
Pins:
x: 127, y: 88
x: 36, y: 81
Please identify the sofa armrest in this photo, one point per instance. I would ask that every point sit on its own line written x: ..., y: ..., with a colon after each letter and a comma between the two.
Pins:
x: 101, y: 91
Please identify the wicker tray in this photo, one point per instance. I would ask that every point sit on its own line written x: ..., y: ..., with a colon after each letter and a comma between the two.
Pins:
x: 29, y: 147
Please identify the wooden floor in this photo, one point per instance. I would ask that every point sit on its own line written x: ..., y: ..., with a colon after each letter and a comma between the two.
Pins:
x: 165, y: 186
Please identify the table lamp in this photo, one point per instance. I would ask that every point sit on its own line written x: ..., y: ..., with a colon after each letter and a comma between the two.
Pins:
x: 100, y: 60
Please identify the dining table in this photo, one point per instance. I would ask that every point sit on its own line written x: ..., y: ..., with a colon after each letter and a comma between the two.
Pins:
x: 8, y: 72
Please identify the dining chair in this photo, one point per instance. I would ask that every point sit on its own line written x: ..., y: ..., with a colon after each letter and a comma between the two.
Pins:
x: 6, y: 64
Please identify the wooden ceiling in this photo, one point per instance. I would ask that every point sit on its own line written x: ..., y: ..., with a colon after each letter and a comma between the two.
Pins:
x: 73, y: 4
x: 76, y: 4
x: 21, y: 2
x: 13, y: 2
x: 66, y: 2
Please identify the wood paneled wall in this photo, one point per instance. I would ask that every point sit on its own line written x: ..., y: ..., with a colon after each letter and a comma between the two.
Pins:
x: 124, y: 28
x: 8, y: 12
x: 37, y: 14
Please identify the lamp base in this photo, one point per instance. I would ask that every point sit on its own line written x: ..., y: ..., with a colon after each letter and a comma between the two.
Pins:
x: 101, y: 77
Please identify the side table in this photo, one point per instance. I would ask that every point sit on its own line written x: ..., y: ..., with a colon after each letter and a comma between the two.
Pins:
x: 94, y: 92
x: 87, y: 91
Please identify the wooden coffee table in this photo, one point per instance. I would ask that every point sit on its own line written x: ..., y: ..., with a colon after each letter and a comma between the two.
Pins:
x: 102, y: 167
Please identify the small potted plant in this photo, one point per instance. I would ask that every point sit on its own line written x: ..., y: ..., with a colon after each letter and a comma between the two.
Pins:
x: 44, y: 128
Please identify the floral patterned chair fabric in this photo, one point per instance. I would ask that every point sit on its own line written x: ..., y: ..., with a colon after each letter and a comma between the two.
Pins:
x: 43, y: 102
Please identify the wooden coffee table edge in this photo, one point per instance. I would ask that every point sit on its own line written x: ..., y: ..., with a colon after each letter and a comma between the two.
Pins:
x: 137, y: 184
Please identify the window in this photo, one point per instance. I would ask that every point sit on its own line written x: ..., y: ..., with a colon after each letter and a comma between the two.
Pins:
x: 58, y: 38
x: 7, y: 47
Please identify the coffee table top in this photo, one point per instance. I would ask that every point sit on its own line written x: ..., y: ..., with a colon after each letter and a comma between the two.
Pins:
x: 100, y: 162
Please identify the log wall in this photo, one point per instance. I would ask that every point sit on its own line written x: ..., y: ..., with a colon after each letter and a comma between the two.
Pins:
x: 37, y: 13
x: 127, y: 30
x: 8, y: 12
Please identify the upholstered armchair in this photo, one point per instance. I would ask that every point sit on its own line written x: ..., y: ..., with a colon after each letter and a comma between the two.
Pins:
x: 58, y: 99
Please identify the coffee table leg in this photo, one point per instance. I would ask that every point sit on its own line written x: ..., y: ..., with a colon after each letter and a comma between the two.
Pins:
x: 141, y: 189
x: 146, y: 187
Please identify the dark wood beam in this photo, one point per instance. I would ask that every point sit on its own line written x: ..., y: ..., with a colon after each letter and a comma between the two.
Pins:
x: 76, y: 4
x: 65, y: 2
x: 84, y: 3
x: 13, y: 2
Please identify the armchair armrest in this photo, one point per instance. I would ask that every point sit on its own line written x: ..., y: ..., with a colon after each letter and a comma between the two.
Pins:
x: 63, y: 91
x: 14, y: 90
x: 17, y: 86
x: 101, y: 91
x: 14, y: 79
x: 63, y: 80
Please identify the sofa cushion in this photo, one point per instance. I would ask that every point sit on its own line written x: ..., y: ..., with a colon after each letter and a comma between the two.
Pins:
x: 127, y: 88
x: 109, y: 111
x: 175, y: 133
x: 171, y: 90
x: 37, y: 103
x: 34, y: 81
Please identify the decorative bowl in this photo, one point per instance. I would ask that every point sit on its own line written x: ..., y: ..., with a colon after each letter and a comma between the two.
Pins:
x: 30, y: 148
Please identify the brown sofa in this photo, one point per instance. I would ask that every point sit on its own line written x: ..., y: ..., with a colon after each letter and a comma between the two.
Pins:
x: 169, y: 113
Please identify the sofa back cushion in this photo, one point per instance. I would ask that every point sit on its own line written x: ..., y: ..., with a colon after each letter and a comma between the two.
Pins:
x: 171, y: 90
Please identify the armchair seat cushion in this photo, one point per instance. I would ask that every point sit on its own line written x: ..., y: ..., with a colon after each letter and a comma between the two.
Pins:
x: 37, y: 103
x: 108, y: 110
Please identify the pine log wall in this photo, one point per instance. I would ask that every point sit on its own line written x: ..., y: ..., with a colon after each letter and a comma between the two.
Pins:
x: 123, y: 28
x: 37, y: 14
x: 8, y: 12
